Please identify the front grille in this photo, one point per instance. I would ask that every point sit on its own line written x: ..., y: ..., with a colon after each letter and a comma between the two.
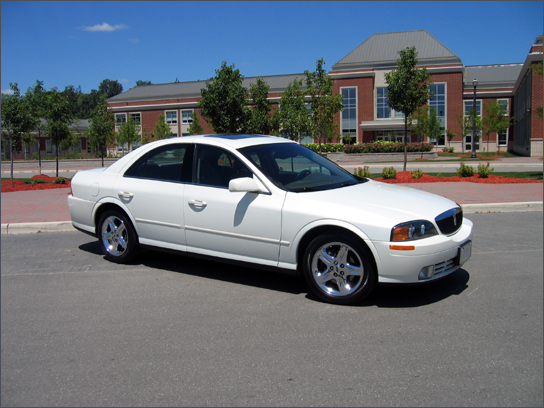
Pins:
x: 450, y: 221
x: 447, y: 266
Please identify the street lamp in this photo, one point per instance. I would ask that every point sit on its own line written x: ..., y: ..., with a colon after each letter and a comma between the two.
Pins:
x: 473, y: 155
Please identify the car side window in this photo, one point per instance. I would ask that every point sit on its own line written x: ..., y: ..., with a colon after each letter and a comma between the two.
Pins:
x: 163, y: 163
x: 217, y: 167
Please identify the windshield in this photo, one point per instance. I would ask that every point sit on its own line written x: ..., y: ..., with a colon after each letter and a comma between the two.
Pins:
x: 293, y: 167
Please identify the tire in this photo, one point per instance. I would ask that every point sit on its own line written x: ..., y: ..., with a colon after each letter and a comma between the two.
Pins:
x: 339, y: 269
x: 117, y: 238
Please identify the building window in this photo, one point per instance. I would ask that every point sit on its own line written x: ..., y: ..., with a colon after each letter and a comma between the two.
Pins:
x: 503, y: 138
x: 136, y: 117
x: 120, y: 118
x: 383, y: 111
x: 503, y: 103
x: 349, y: 115
x: 171, y: 117
x: 468, y: 108
x: 186, y: 116
x: 392, y: 136
x: 438, y: 104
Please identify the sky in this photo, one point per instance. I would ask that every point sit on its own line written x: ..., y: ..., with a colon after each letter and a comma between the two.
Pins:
x: 81, y: 43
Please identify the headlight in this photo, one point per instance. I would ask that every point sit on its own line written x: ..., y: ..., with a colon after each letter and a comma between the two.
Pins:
x: 412, y: 230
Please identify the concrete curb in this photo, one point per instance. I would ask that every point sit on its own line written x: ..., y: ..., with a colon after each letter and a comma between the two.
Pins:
x: 63, y: 226
x: 502, y: 207
x: 35, y: 227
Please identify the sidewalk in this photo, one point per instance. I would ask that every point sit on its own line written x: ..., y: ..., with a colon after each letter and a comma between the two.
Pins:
x: 47, y: 210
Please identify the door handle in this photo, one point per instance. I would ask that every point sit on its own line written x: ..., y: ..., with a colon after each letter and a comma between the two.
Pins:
x: 125, y: 195
x: 198, y: 203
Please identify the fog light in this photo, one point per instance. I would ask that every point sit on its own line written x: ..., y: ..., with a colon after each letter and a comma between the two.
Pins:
x: 426, y: 272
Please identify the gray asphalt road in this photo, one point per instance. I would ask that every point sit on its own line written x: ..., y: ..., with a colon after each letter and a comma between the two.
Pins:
x: 170, y: 330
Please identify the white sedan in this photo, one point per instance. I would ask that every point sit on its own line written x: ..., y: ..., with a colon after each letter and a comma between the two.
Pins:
x: 270, y: 202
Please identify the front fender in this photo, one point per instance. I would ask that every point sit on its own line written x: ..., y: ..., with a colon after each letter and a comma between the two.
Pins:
x: 289, y: 250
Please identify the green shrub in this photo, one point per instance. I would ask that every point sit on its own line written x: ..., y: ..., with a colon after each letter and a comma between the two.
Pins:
x: 417, y: 174
x: 465, y: 171
x: 362, y: 172
x: 484, y: 171
x: 60, y: 180
x: 448, y: 149
x: 389, y: 173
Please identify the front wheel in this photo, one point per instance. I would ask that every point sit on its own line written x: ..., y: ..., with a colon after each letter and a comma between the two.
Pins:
x: 117, y: 237
x: 339, y: 269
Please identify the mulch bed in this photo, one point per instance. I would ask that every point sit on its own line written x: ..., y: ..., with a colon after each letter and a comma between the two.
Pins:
x: 406, y: 177
x: 9, y: 186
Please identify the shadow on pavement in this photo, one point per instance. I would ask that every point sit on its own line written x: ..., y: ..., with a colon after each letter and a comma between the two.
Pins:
x: 386, y: 296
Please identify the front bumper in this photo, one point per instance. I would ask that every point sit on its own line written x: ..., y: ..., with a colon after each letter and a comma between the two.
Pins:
x: 441, y: 253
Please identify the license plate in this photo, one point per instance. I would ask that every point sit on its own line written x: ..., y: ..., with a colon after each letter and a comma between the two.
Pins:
x: 465, y: 251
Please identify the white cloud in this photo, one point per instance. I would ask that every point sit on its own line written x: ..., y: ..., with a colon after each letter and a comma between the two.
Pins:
x: 134, y: 40
x: 7, y: 92
x: 104, y: 27
x: 123, y: 80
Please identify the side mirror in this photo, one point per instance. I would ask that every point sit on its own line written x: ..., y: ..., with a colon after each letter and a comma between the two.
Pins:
x: 245, y: 185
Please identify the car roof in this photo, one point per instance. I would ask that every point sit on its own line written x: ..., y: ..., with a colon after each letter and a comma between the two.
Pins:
x: 237, y: 141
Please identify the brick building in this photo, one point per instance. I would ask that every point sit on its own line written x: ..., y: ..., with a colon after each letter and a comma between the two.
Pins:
x: 360, y: 78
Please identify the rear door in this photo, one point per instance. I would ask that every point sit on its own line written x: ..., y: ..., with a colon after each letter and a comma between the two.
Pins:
x: 152, y: 189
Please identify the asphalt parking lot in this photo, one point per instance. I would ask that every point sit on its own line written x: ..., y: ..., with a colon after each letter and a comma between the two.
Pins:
x: 171, y: 330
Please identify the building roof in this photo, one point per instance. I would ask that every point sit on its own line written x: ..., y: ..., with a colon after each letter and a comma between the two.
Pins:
x: 489, y: 76
x: 277, y: 83
x: 383, y: 50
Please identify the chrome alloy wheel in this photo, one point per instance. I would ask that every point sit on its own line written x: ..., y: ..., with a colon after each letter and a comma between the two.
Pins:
x: 114, y: 236
x: 337, y: 269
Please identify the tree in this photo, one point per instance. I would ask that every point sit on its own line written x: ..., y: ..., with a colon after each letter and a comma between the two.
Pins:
x: 194, y: 127
x: 162, y: 129
x: 434, y: 126
x: 325, y: 104
x: 407, y: 88
x: 59, y: 117
x: 537, y: 68
x: 260, y: 121
x: 72, y: 94
x: 223, y: 101
x: 110, y: 87
x: 292, y: 116
x: 494, y: 120
x: 37, y: 97
x: 101, y: 128
x: 128, y: 133
x: 142, y: 83
x: 17, y: 119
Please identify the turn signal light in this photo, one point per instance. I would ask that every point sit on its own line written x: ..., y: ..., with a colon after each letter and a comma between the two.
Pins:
x: 402, y: 248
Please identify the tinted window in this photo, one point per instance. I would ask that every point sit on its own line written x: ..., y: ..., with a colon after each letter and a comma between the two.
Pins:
x: 162, y: 163
x: 217, y: 167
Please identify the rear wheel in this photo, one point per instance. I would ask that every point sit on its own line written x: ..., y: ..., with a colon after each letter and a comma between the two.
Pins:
x: 339, y: 269
x: 117, y: 237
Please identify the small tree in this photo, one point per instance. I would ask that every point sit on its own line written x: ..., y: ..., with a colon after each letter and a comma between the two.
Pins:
x: 128, y: 133
x: 260, y: 121
x: 59, y: 117
x: 494, y: 120
x: 110, y: 87
x: 101, y: 128
x: 17, y: 119
x: 36, y: 97
x: 292, y: 116
x: 142, y: 83
x: 449, y: 135
x: 194, y: 127
x: 434, y: 126
x: 162, y: 129
x: 223, y: 101
x: 407, y: 88
x: 325, y: 103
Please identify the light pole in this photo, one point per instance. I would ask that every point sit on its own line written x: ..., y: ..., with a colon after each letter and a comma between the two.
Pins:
x: 473, y: 155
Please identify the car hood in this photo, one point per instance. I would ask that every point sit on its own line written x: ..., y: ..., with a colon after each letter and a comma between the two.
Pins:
x: 378, y: 203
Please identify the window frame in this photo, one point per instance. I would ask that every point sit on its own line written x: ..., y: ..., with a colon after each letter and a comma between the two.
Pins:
x: 349, y: 131
x: 171, y: 122
x: 190, y: 119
